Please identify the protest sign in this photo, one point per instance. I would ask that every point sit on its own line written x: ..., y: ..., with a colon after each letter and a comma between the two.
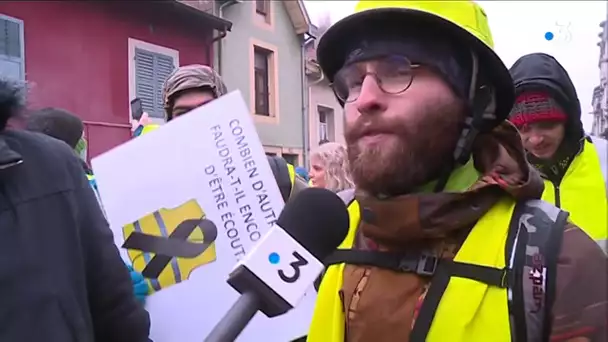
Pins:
x: 185, y: 203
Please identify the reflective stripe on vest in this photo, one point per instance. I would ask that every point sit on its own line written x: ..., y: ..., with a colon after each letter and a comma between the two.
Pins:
x: 485, y: 315
x: 583, y: 191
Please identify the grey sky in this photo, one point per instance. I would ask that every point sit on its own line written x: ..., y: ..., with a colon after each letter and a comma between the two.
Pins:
x: 519, y: 28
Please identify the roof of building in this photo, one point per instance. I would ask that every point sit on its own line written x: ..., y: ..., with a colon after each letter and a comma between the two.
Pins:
x: 204, y: 9
x: 298, y: 15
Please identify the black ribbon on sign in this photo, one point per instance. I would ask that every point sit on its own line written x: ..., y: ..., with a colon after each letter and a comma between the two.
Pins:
x: 175, y: 245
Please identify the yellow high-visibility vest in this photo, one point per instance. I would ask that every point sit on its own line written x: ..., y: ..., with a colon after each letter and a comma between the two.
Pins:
x: 582, y: 191
x: 469, y: 310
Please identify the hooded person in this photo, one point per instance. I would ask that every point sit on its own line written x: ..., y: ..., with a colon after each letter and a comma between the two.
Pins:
x: 192, y: 86
x: 574, y: 166
x: 62, y: 276
x: 448, y: 239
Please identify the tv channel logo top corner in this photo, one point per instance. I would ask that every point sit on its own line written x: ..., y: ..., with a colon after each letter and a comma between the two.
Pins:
x: 560, y: 33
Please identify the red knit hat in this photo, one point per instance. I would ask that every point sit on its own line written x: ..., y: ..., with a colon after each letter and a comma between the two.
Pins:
x: 531, y: 107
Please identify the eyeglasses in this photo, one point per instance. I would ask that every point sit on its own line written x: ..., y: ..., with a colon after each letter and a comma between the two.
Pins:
x: 394, y: 75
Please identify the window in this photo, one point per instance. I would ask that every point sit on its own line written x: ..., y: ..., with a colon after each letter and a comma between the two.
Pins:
x: 262, y: 13
x: 151, y: 71
x: 262, y: 81
x: 11, y: 48
x: 291, y: 158
x: 262, y: 6
x: 270, y: 154
x: 326, y: 124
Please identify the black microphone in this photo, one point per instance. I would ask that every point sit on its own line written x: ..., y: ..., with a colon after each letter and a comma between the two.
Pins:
x: 282, y: 266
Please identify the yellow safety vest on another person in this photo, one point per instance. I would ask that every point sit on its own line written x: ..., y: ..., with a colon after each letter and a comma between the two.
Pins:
x: 583, y: 190
x: 147, y: 129
x: 469, y: 309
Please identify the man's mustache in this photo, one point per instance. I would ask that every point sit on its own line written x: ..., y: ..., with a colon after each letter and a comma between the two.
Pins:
x: 363, y: 128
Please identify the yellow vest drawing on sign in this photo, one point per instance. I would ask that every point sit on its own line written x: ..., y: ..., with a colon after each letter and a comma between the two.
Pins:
x: 168, y: 244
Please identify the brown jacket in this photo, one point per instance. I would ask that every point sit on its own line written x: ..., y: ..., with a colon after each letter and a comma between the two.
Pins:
x: 381, y: 305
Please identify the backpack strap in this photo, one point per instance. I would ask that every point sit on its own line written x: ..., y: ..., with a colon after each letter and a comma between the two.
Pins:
x: 534, y: 243
x: 533, y: 246
x: 421, y: 263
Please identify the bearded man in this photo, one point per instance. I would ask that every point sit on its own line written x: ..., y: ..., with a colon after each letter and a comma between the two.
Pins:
x: 448, y: 239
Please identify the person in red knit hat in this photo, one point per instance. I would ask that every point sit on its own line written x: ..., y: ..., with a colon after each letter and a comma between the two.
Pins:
x: 547, y: 113
x: 541, y: 121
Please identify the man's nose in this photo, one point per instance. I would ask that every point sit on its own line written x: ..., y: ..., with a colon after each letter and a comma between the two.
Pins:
x: 371, y: 99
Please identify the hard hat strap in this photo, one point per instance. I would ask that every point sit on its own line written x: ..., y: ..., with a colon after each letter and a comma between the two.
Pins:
x: 474, y: 77
x: 480, y: 102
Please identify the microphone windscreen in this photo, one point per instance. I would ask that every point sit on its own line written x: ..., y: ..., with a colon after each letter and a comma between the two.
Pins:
x: 317, y: 218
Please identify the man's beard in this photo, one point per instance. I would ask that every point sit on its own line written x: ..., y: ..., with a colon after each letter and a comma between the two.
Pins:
x: 408, y: 157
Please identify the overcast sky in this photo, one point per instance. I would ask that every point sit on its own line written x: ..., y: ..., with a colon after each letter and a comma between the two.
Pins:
x: 519, y: 28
